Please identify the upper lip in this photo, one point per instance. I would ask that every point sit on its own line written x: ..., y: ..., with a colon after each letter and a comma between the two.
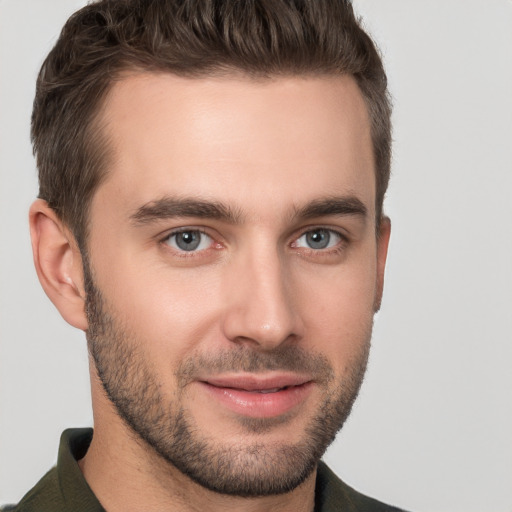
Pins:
x: 254, y: 382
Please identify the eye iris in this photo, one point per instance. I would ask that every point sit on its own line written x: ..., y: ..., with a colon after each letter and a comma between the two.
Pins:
x: 188, y: 240
x: 318, y: 239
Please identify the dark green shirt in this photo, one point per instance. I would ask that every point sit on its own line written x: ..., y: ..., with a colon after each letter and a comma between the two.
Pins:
x: 64, y: 489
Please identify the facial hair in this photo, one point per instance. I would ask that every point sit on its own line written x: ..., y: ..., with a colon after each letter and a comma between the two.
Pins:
x: 165, y: 426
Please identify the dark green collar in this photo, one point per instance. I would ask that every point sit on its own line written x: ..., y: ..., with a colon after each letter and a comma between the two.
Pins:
x: 76, y: 493
x: 63, y: 488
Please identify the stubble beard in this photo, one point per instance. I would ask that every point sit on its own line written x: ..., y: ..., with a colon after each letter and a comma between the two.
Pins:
x: 257, y: 468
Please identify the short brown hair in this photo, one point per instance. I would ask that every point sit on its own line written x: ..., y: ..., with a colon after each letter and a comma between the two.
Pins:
x: 189, y: 38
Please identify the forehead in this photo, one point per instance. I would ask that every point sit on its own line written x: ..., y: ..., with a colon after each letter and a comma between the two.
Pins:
x: 281, y: 140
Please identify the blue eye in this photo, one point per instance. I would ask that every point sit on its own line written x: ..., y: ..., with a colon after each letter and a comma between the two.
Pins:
x: 189, y: 240
x: 318, y: 239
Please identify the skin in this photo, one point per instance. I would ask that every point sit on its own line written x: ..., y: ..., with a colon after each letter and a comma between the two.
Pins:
x: 266, y: 150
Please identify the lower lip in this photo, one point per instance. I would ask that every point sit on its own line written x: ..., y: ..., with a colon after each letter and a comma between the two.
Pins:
x: 260, y: 405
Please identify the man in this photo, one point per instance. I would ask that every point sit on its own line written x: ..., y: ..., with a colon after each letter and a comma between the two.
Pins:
x: 212, y: 176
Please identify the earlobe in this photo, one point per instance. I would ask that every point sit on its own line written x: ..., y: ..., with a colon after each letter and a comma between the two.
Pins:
x: 58, y: 263
x: 382, y: 252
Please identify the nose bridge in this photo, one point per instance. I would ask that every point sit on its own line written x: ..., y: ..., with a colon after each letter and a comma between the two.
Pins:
x: 260, y: 307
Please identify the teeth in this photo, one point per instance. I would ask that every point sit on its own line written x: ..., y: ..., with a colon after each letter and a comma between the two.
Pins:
x: 273, y: 390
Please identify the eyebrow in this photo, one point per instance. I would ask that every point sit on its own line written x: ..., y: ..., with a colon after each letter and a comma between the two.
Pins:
x: 172, y: 207
x: 342, y: 206
x: 175, y: 207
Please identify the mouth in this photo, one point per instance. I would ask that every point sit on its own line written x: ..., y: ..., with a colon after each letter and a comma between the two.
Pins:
x: 259, y: 396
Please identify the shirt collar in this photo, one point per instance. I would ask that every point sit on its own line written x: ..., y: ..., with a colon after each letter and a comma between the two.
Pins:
x: 76, y: 492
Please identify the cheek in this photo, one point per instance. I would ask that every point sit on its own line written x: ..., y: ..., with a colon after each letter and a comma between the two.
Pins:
x: 337, y: 307
x: 167, y: 312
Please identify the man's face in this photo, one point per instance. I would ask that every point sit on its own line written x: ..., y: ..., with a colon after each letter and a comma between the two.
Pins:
x: 235, y: 271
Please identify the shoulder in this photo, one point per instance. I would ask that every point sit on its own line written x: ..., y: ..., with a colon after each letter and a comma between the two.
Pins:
x: 63, y: 488
x: 43, y: 496
x: 332, y: 495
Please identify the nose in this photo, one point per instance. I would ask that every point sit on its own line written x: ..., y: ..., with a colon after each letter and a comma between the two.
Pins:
x: 261, y: 310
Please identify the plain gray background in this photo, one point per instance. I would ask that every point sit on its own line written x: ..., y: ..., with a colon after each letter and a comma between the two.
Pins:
x: 432, y: 430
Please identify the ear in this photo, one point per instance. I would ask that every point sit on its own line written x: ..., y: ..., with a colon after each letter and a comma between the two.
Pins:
x: 58, y: 263
x: 382, y: 253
